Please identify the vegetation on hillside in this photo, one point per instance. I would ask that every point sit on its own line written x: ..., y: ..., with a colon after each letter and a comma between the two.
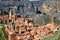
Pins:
x: 3, y: 35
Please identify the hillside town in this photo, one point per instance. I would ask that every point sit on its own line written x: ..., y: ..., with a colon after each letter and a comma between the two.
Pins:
x: 20, y: 28
x: 22, y: 19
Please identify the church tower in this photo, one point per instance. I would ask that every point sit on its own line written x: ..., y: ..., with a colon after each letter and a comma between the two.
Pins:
x: 10, y: 14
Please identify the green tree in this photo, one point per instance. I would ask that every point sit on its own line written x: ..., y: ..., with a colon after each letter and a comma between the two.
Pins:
x: 58, y: 38
x: 3, y: 35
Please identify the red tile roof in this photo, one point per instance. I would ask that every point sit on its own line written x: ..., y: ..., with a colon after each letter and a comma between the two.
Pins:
x: 9, y: 31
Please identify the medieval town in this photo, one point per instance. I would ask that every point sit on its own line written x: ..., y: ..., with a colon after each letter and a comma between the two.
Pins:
x: 29, y: 20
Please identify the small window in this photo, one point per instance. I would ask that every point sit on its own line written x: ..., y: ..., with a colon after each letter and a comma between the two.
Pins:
x: 29, y: 30
x: 22, y: 32
x: 13, y: 23
x: 57, y: 28
x: 17, y: 32
x: 10, y: 20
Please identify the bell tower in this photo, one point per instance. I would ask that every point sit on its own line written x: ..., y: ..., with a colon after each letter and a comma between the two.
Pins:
x: 10, y: 14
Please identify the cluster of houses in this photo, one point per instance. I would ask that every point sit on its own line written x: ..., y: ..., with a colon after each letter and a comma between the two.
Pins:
x: 20, y: 28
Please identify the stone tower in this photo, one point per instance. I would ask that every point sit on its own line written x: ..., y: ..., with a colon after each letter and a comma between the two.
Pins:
x: 10, y: 14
